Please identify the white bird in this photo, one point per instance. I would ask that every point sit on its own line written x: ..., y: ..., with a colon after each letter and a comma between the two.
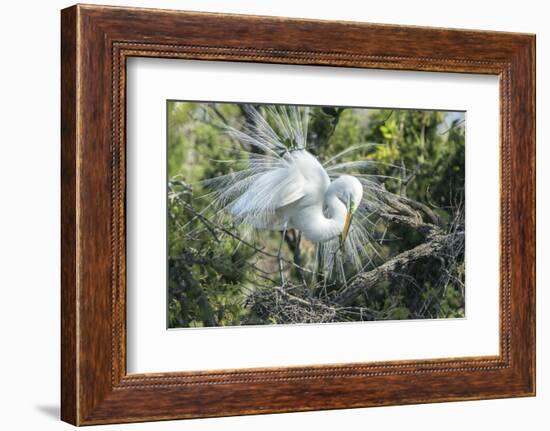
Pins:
x: 281, y: 185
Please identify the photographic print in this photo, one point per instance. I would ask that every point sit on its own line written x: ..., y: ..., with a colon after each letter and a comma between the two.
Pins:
x: 277, y: 213
x: 286, y: 214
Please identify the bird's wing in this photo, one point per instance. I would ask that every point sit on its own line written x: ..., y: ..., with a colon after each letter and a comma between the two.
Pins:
x: 261, y: 204
x: 277, y: 172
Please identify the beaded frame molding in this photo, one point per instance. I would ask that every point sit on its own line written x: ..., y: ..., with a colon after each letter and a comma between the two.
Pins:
x: 95, y: 43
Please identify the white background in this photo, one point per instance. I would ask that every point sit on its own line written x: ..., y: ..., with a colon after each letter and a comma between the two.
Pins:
x: 151, y: 348
x: 29, y: 216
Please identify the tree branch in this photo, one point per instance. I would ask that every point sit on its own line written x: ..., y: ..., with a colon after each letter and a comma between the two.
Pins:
x: 434, y: 246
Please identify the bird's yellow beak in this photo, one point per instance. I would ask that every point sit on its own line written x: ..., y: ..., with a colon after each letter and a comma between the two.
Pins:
x: 347, y: 224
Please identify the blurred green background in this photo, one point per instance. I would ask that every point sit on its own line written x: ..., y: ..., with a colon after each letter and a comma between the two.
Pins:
x: 216, y: 279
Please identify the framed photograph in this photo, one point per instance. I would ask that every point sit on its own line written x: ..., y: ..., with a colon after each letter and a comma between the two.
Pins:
x: 266, y: 215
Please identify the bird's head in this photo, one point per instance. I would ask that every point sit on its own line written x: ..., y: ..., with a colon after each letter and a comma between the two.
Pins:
x: 350, y: 191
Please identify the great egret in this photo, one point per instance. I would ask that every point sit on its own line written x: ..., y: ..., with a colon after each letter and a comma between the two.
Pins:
x: 277, y: 184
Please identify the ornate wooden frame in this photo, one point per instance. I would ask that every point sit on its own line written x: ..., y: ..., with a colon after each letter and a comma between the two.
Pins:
x: 95, y: 43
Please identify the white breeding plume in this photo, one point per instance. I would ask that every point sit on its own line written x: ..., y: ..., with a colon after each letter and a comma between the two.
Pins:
x: 278, y: 185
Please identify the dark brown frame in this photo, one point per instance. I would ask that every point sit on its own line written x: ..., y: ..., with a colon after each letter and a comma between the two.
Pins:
x: 95, y: 43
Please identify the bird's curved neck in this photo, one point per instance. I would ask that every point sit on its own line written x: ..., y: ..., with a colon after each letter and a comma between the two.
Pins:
x: 320, y: 226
